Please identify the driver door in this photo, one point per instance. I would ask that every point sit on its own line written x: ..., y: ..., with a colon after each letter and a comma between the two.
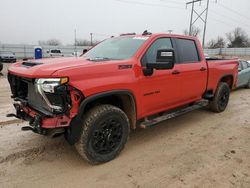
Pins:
x: 161, y: 90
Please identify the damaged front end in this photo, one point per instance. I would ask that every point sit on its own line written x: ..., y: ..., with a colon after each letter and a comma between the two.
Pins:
x: 49, y: 104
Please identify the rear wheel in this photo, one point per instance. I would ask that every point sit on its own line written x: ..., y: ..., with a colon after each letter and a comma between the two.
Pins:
x: 104, y: 134
x: 221, y: 98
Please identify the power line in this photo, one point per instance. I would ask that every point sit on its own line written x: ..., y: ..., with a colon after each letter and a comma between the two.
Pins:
x: 148, y: 4
x: 226, y: 23
x: 234, y: 11
x: 171, y: 1
x: 228, y: 17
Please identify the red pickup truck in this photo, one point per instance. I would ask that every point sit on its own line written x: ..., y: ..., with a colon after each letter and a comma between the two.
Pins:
x: 122, y: 83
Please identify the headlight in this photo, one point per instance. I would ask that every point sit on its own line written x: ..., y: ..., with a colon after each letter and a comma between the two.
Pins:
x: 48, y: 85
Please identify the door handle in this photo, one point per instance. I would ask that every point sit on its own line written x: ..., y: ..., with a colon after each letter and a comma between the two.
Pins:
x: 176, y: 72
x: 203, y: 69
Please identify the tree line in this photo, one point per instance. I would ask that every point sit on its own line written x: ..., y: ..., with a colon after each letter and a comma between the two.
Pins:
x: 237, y: 38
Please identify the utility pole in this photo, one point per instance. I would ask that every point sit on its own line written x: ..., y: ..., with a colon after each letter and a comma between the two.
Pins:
x: 199, y: 16
x: 191, y: 19
x: 205, y: 25
x: 91, y: 39
x: 75, y: 44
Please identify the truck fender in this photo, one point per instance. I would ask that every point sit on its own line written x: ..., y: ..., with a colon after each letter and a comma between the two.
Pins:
x: 73, y: 132
x: 227, y: 78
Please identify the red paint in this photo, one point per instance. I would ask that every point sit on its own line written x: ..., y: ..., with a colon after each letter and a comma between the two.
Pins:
x: 171, y: 90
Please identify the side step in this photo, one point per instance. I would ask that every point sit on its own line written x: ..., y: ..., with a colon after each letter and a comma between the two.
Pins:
x: 170, y: 115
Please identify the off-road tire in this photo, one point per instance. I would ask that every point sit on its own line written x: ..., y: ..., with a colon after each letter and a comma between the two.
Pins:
x: 92, y: 123
x: 221, y: 98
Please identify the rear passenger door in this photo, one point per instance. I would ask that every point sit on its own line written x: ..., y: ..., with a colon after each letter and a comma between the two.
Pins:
x: 193, y: 70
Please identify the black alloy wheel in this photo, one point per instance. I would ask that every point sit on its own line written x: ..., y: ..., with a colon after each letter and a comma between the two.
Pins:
x: 105, y: 131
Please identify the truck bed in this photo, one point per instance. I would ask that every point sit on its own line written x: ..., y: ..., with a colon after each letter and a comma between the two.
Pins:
x: 217, y: 66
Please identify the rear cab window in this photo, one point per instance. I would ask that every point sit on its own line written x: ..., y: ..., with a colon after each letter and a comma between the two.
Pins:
x: 187, y: 51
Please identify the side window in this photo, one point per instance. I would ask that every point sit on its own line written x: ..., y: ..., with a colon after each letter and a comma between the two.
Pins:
x: 150, y: 55
x: 187, y: 51
x: 244, y: 65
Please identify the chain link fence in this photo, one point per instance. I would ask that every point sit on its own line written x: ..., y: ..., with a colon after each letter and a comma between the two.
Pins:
x: 28, y: 51
x: 228, y: 51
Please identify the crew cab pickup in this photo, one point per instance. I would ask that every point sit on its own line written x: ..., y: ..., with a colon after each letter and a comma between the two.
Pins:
x: 120, y: 84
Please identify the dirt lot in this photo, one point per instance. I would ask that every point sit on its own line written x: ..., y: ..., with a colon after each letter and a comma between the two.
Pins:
x: 199, y: 149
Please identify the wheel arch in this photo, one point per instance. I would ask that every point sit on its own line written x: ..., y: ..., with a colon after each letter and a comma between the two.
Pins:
x: 124, y: 99
x: 228, y: 78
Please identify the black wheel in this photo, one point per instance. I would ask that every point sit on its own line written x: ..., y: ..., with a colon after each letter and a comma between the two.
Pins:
x: 221, y: 98
x: 104, y: 134
x: 1, y: 67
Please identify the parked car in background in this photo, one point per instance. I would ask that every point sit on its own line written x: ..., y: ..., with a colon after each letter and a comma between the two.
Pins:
x: 55, y: 53
x: 76, y: 54
x: 7, y: 56
x: 244, y: 74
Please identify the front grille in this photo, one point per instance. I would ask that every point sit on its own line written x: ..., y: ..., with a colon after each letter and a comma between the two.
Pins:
x: 19, y: 86
x: 24, y: 89
x: 35, y: 100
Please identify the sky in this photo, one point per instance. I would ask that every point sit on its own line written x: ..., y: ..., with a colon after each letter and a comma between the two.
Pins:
x: 28, y: 21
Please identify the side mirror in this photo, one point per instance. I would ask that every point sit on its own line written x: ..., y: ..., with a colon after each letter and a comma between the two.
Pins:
x: 239, y: 69
x: 165, y: 59
x: 84, y: 51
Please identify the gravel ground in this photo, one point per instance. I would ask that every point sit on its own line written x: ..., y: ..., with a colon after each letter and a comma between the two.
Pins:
x: 199, y: 149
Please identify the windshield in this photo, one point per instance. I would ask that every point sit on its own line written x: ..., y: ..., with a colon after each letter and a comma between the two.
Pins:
x: 116, y: 48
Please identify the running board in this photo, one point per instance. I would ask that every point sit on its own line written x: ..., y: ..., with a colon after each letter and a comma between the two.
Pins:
x: 166, y: 116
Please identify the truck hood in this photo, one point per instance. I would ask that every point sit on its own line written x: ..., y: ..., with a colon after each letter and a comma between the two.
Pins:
x: 46, y: 67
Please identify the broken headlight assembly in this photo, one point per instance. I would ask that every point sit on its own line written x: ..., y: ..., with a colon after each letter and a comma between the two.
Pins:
x: 53, y: 91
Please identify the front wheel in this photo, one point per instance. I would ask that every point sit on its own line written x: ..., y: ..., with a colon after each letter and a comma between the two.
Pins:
x: 221, y: 98
x: 104, y: 134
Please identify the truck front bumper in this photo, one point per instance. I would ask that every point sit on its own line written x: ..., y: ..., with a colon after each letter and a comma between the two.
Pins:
x: 30, y: 106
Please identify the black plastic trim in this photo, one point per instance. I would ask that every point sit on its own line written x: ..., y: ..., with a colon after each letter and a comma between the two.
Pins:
x: 74, y: 131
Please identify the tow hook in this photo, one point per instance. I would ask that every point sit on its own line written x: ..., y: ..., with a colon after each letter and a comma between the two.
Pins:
x: 34, y: 129
x: 35, y: 126
x: 27, y: 128
x: 11, y: 115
